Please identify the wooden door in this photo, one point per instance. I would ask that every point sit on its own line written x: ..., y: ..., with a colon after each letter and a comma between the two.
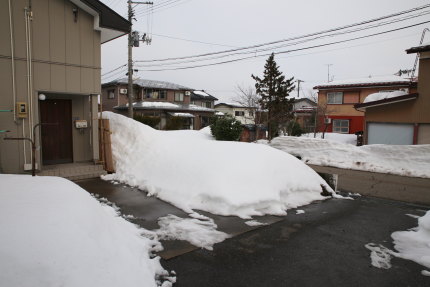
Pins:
x: 57, y: 144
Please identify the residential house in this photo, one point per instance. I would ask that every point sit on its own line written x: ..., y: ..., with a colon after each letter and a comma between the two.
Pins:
x: 246, y: 115
x: 50, y: 75
x: 169, y: 104
x: 400, y: 118
x: 252, y: 130
x: 336, y: 100
x: 304, y: 111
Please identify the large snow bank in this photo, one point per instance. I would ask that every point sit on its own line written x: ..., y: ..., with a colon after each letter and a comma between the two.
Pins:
x: 336, y: 137
x: 383, y: 95
x: 415, y: 244
x: 407, y: 160
x: 53, y: 233
x: 226, y: 178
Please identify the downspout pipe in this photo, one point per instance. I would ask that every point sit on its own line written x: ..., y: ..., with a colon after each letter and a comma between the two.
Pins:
x: 12, y: 52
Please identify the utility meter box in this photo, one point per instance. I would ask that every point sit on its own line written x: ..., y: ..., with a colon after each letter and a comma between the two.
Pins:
x: 81, y: 124
x: 21, y: 110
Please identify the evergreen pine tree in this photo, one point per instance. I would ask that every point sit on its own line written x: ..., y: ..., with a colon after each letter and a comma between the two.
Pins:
x: 274, y: 91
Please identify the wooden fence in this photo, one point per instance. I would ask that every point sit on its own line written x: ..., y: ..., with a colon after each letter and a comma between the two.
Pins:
x: 105, y: 145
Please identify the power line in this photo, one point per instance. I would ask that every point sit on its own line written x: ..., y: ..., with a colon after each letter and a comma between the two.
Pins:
x: 175, y: 62
x: 293, y: 38
x: 289, y: 51
x: 194, y: 41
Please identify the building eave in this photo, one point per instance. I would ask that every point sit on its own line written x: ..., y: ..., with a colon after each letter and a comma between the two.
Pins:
x: 419, y: 49
x: 110, y: 24
x: 363, y: 106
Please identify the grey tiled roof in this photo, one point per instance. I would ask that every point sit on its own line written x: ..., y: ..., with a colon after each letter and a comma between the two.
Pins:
x: 150, y: 84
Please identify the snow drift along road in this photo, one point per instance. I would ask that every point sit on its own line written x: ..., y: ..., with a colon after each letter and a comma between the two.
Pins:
x: 226, y: 178
x: 53, y: 233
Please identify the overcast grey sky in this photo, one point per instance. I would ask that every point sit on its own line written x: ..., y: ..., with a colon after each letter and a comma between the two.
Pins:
x: 240, y: 23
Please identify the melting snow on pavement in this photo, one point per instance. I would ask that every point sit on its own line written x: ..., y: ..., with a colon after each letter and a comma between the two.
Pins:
x: 191, y: 171
x: 415, y: 159
x: 413, y: 244
x: 199, y: 232
x: 54, y: 233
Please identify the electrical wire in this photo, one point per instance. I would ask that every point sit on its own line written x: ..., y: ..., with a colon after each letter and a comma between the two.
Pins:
x: 294, y: 38
x: 288, y: 51
x: 289, y: 44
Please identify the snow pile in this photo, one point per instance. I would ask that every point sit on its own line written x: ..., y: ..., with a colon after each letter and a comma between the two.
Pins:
x: 336, y: 137
x: 200, y: 233
x: 415, y: 159
x: 383, y: 95
x: 415, y: 244
x: 225, y: 178
x: 53, y: 233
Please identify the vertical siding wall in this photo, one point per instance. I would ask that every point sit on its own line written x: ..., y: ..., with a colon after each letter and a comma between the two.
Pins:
x: 66, y: 60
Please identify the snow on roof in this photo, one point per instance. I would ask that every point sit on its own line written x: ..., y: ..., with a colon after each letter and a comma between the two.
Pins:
x: 421, y: 48
x: 366, y: 81
x: 181, y: 115
x: 219, y: 113
x: 152, y: 84
x: 201, y: 93
x: 155, y: 105
x: 383, y: 95
x: 165, y: 106
x: 199, y: 108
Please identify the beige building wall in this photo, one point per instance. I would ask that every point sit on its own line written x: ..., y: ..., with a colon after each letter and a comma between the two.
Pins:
x: 65, y: 53
x: 415, y: 111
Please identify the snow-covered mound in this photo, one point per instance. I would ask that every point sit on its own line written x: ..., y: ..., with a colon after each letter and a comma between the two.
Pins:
x: 407, y: 160
x: 226, y: 178
x: 336, y: 137
x: 53, y: 233
x: 383, y: 95
x: 415, y: 244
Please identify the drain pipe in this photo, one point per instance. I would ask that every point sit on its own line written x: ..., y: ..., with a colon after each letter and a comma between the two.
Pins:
x: 30, y: 70
x: 12, y: 52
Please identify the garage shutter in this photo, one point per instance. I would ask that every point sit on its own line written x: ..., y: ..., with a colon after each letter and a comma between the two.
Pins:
x: 395, y: 134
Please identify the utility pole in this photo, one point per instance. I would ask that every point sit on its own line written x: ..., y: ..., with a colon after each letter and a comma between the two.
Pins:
x: 298, y: 87
x: 328, y: 72
x: 131, y: 44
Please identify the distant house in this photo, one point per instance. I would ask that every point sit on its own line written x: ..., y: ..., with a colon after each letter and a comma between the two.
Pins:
x: 245, y: 115
x: 172, y: 106
x: 336, y: 101
x: 400, y: 117
x: 304, y: 111
x: 50, y: 68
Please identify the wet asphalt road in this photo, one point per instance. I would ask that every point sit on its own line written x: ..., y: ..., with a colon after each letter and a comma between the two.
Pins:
x: 322, y: 247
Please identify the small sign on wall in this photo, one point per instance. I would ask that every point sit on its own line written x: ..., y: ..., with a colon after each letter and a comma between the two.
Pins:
x: 81, y: 124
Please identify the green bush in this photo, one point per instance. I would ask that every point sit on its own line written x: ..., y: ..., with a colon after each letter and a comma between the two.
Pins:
x: 147, y: 120
x: 226, y: 128
x: 294, y: 129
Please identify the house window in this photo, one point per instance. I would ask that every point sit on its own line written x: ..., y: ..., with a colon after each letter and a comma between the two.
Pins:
x: 239, y: 113
x: 179, y: 96
x: 251, y: 113
x: 155, y: 94
x: 341, y: 126
x: 209, y: 105
x: 335, y: 98
x: 111, y: 94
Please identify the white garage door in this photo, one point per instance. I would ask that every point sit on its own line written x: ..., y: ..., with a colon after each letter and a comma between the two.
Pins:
x: 396, y: 134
